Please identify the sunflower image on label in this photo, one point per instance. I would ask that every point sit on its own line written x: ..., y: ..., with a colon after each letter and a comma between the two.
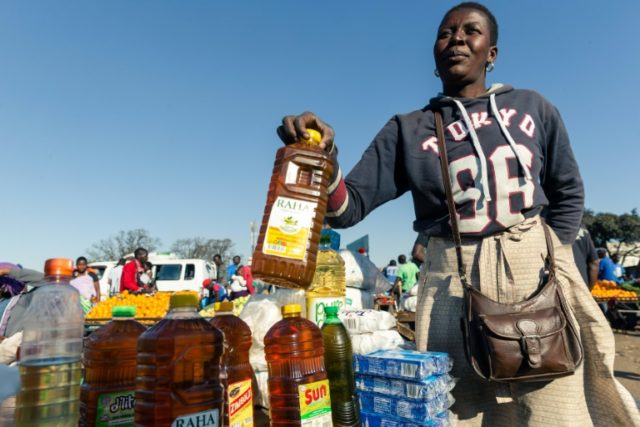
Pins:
x: 315, y: 404
x: 240, y: 404
x: 199, y: 419
x: 289, y: 228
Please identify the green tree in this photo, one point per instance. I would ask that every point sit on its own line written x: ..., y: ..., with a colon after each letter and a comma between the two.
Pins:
x: 618, y: 233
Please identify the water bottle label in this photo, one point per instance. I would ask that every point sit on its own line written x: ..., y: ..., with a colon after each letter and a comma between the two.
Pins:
x: 289, y: 228
x: 315, y: 404
x: 200, y: 419
x: 316, y: 305
x: 116, y: 409
x: 240, y: 404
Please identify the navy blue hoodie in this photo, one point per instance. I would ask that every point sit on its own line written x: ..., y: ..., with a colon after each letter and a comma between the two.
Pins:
x: 509, y: 159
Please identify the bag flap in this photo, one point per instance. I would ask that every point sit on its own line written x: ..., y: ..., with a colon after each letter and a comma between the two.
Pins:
x: 515, y: 325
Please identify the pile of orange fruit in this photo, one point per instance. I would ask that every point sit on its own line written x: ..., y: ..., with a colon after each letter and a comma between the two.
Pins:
x: 147, y: 305
x: 606, y: 289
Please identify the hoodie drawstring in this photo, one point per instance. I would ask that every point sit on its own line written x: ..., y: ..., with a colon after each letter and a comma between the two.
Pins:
x: 505, y: 131
x: 476, y: 144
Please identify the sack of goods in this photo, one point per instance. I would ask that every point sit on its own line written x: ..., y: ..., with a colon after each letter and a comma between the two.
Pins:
x: 371, y: 330
x: 404, y: 388
x: 362, y: 273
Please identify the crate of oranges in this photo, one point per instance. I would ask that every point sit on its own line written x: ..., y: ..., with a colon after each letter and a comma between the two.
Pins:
x: 149, y: 307
x: 606, y: 290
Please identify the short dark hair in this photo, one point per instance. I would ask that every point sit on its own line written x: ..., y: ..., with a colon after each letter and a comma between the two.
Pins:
x: 81, y: 258
x: 402, y: 259
x: 217, y: 256
x: 140, y: 251
x: 601, y: 252
x: 493, y: 23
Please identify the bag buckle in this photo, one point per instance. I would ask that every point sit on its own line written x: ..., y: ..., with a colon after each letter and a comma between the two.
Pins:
x: 530, y: 342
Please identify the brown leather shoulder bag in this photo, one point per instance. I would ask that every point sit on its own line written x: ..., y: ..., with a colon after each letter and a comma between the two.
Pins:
x: 532, y: 340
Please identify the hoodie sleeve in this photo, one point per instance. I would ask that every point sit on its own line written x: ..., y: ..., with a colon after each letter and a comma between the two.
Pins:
x: 377, y: 178
x: 561, y: 179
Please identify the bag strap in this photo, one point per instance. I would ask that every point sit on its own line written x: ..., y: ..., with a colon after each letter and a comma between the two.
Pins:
x: 453, y: 215
x: 444, y: 167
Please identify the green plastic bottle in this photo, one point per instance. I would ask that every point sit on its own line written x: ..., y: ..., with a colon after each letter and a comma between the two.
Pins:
x: 338, y: 357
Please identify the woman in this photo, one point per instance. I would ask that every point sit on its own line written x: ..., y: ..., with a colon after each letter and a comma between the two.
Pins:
x: 510, y: 160
x: 87, y: 284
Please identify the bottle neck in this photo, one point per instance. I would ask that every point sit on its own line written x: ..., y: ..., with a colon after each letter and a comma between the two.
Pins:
x: 182, y: 313
x: 224, y: 313
x: 122, y: 319
x: 290, y: 315
x: 58, y: 278
x: 332, y: 320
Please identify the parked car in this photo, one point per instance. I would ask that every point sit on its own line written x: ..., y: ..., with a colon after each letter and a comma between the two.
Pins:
x: 181, y: 274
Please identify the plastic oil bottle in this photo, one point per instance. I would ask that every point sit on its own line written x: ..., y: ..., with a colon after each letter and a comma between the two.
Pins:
x: 329, y: 285
x: 285, y: 254
x: 236, y: 373
x: 338, y: 359
x: 298, y: 385
x: 178, y: 373
x: 107, y: 396
x: 50, y: 368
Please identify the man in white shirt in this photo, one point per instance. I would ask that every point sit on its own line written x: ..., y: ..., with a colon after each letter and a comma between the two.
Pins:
x: 114, y: 277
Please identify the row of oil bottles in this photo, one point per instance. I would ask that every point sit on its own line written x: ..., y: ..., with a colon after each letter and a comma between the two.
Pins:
x: 184, y: 370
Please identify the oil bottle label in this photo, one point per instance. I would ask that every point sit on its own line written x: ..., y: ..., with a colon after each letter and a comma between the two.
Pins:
x: 116, y: 409
x: 315, y: 404
x: 289, y: 228
x: 199, y: 419
x: 240, y: 404
x: 316, y: 305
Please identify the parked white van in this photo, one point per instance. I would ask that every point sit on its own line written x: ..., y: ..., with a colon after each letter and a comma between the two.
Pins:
x: 181, y: 274
x: 102, y: 269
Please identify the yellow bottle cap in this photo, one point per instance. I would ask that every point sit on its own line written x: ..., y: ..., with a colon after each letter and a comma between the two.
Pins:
x: 216, y: 305
x: 184, y: 299
x: 225, y: 306
x: 314, y: 137
x: 291, y: 309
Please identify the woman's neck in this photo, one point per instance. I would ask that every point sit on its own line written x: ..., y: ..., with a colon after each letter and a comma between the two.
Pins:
x: 472, y: 90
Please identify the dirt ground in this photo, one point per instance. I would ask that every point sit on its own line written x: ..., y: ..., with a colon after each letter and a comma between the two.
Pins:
x: 627, y: 363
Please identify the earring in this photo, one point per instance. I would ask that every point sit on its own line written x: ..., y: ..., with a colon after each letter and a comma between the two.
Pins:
x: 490, y: 67
x: 436, y: 73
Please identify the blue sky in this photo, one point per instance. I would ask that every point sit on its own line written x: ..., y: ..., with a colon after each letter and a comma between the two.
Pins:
x: 161, y: 114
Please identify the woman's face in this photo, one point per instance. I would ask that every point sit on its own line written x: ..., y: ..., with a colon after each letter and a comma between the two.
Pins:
x: 463, y: 48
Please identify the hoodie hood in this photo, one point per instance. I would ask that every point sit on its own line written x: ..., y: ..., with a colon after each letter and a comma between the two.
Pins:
x: 442, y: 100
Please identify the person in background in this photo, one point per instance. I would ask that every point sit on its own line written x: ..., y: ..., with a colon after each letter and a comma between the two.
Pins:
x: 87, y: 283
x: 391, y: 271
x: 114, y: 277
x: 586, y: 257
x: 231, y: 269
x: 407, y: 276
x: 221, y: 270
x: 606, y: 268
x: 131, y: 272
x: 618, y: 269
x: 238, y: 284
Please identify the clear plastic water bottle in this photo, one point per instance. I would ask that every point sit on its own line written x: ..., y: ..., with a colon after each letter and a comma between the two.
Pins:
x: 50, y: 367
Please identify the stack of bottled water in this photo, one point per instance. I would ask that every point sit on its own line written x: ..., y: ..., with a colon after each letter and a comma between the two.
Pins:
x: 404, y: 388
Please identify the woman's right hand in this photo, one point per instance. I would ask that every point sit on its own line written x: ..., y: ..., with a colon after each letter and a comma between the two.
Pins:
x: 294, y: 129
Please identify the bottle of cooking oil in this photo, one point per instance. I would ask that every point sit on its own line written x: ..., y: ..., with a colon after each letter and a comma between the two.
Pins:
x: 338, y: 359
x: 107, y: 395
x: 285, y: 254
x: 236, y: 373
x: 329, y: 285
x: 178, y: 373
x: 298, y: 385
x: 50, y: 367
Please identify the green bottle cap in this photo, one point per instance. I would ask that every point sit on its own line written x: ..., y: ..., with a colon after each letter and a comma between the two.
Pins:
x: 331, y: 311
x: 123, y: 311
